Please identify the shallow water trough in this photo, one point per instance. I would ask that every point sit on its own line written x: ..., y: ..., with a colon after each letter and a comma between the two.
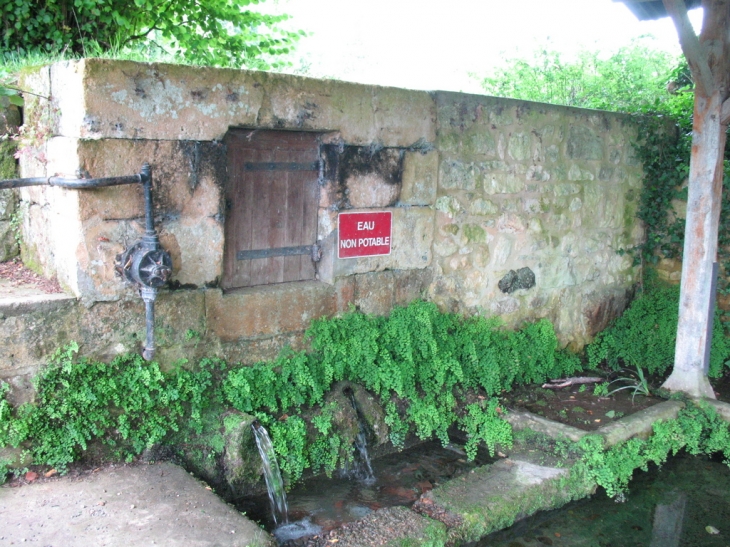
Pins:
x: 475, y: 501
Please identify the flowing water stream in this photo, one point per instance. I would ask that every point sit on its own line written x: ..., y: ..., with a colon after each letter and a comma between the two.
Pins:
x: 272, y: 475
x: 360, y: 468
x: 322, y: 503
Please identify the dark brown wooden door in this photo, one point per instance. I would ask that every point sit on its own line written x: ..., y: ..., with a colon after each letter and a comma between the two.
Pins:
x: 271, y: 207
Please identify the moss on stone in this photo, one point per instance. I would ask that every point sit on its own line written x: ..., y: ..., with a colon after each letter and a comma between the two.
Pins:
x: 474, y: 233
x: 8, y: 163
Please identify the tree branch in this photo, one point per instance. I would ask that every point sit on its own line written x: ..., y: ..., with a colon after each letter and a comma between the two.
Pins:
x: 565, y: 382
x: 691, y: 46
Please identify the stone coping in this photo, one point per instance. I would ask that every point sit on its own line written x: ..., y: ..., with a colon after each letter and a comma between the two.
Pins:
x: 23, y: 304
x: 638, y: 424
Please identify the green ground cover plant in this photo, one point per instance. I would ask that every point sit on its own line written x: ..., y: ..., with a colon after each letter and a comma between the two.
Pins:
x: 126, y: 404
x: 421, y: 363
x: 645, y: 335
x: 418, y: 361
x: 698, y: 429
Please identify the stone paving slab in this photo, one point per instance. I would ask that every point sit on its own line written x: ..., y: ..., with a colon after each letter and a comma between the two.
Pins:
x: 492, y: 497
x: 124, y: 506
x: 522, y: 419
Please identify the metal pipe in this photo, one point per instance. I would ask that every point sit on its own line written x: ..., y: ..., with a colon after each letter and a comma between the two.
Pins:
x: 145, y: 264
x: 149, y: 295
x: 146, y: 180
x: 77, y: 183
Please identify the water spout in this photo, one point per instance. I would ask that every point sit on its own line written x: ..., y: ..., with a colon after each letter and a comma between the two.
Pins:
x: 362, y: 469
x: 272, y: 475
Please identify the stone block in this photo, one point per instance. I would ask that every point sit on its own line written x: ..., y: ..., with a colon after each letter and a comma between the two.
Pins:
x: 505, y: 183
x: 477, y: 143
x: 411, y: 285
x: 519, y: 146
x: 498, y: 494
x: 8, y: 204
x: 371, y: 190
x: 639, y: 424
x: 375, y: 292
x: 186, y: 177
x: 457, y: 175
x: 124, y: 99
x: 9, y: 248
x: 483, y: 207
x: 449, y: 205
x: 403, y: 117
x: 31, y: 330
x: 268, y: 310
x: 199, y: 243
x: 584, y: 143
x: 420, y: 176
x: 52, y: 233
x: 411, y: 241
x: 600, y: 308
x: 180, y: 317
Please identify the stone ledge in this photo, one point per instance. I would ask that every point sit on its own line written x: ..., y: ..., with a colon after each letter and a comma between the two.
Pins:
x: 640, y: 423
x: 521, y: 419
x: 21, y: 305
x: 494, y: 496
x: 722, y: 408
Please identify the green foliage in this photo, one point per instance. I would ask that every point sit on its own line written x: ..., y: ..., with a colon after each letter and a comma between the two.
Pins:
x: 645, y: 335
x: 664, y: 148
x: 127, y: 404
x: 638, y: 383
x: 485, y: 425
x: 601, y: 390
x: 8, y: 89
x: 210, y: 32
x: 698, y: 429
x: 417, y: 361
x: 326, y: 447
x: 633, y: 76
x: 289, y: 438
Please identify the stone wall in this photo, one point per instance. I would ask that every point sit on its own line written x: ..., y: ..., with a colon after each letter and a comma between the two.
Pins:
x: 9, y: 122
x: 525, y: 185
x: 479, y: 187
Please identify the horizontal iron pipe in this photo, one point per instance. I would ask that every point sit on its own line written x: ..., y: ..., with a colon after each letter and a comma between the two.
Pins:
x: 70, y: 183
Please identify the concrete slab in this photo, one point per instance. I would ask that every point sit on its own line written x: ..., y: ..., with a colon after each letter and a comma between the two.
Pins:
x: 125, y: 506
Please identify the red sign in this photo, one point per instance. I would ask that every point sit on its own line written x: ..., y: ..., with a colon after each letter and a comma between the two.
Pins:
x: 364, y: 234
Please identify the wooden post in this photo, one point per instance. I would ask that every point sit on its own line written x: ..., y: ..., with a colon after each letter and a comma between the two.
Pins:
x: 708, y: 58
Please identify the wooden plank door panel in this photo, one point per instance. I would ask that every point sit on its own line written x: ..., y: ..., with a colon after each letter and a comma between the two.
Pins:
x: 271, y: 207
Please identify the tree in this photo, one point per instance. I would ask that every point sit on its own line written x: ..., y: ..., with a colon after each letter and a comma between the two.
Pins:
x: 632, y: 78
x: 708, y: 56
x: 211, y: 32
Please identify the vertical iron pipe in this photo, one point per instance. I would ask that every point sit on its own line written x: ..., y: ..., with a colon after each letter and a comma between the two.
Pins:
x: 146, y: 175
x: 149, y: 295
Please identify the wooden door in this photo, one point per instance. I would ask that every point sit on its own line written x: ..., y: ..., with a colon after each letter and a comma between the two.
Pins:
x: 271, y: 207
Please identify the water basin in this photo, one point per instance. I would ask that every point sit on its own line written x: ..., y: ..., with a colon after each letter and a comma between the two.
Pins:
x: 684, y: 503
x: 321, y: 504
